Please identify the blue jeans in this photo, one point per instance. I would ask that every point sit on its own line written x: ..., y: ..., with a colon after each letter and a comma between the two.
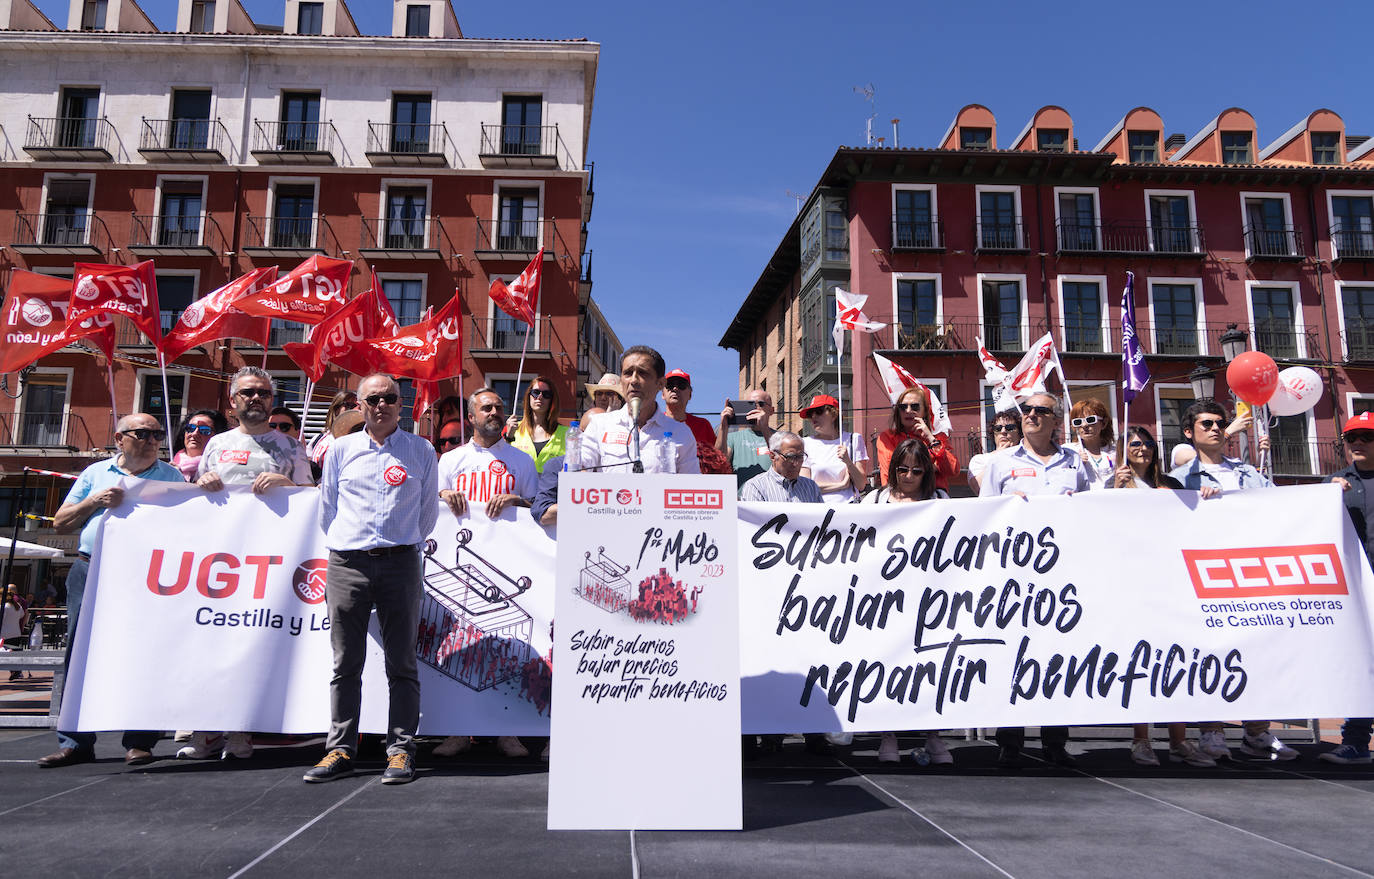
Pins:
x: 1356, y: 731
x: 85, y: 741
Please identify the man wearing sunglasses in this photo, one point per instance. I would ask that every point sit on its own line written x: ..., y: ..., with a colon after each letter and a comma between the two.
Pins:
x: 1204, y: 425
x: 97, y: 490
x: 378, y: 503
x: 677, y: 393
x: 253, y: 453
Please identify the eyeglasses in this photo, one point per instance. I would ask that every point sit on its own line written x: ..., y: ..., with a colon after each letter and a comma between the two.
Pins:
x: 1006, y: 428
x: 145, y: 433
x: 541, y: 392
x: 351, y: 404
x: 202, y: 429
x: 1209, y: 423
x: 1038, y: 412
x: 794, y: 457
x: 283, y: 426
x: 1139, y: 444
x: 677, y: 384
x: 254, y: 392
x: 375, y: 400
x: 1085, y: 421
x: 445, y: 441
x: 910, y: 471
x: 1359, y: 436
x: 911, y: 407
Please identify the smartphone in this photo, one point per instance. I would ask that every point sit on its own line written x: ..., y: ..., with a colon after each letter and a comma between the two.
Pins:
x: 742, y: 409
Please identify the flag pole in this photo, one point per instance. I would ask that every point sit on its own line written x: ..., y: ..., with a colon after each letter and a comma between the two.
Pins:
x: 114, y: 407
x: 462, y: 410
x: 520, y: 371
x: 166, y: 395
x: 839, y: 387
x: 309, y: 382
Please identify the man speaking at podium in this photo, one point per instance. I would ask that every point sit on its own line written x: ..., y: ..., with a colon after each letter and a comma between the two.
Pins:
x: 634, y: 438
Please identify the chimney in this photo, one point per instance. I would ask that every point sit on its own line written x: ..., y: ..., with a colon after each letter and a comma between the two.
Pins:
x: 1173, y: 143
x: 1355, y: 140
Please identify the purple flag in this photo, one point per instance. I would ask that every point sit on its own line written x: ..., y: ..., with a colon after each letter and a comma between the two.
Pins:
x: 1134, y: 374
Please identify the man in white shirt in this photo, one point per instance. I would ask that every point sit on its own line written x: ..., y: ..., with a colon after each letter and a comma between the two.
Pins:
x: 487, y: 470
x: 611, y: 439
x: 252, y: 453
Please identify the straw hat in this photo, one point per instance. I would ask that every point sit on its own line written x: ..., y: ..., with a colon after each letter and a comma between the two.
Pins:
x: 609, y: 382
x: 347, y: 423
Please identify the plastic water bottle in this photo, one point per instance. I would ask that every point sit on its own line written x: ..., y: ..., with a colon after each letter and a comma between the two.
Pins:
x: 667, y: 454
x: 921, y: 756
x: 572, y: 448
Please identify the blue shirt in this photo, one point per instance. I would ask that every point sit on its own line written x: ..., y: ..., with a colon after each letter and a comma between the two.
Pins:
x: 770, y: 487
x: 1194, y: 475
x: 1017, y: 469
x: 374, y: 495
x: 100, y: 476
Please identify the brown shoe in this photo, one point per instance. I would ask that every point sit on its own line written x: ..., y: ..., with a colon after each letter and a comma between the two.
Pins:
x: 138, y: 757
x: 65, y: 757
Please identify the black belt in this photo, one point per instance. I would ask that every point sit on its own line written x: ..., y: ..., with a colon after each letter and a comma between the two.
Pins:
x: 82, y: 555
x: 380, y: 551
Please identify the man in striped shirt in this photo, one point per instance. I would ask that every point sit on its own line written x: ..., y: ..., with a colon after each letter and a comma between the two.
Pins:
x: 783, y: 482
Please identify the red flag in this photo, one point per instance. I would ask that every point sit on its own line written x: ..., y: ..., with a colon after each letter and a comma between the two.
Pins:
x: 426, y: 393
x: 382, y: 320
x: 338, y: 339
x: 427, y: 351
x: 127, y: 290
x: 521, y: 299
x: 308, y: 293
x: 34, y: 321
x: 216, y: 316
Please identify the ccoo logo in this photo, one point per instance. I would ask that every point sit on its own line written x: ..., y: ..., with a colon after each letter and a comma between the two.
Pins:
x: 309, y: 579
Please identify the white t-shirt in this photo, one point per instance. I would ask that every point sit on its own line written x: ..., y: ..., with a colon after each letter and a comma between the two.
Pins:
x: 1225, y: 475
x: 823, y: 458
x: 480, y: 474
x: 1102, y: 468
x: 240, y: 457
x: 607, y: 443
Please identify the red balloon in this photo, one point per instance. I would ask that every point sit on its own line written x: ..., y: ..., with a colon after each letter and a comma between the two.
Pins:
x: 1253, y: 377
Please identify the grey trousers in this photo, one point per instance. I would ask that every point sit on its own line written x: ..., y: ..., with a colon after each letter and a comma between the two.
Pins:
x: 355, y: 582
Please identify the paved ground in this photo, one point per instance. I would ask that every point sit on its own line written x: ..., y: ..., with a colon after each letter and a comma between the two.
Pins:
x: 482, y: 815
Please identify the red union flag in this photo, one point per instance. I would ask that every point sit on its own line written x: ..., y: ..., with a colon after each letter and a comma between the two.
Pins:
x: 127, y: 290
x: 381, y: 319
x: 216, y: 316
x: 308, y: 293
x: 427, y: 351
x: 338, y: 339
x: 34, y: 320
x: 521, y: 299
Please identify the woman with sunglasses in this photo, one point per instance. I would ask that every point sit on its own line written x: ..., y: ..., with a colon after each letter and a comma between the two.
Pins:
x: 538, y: 433
x: 837, y: 461
x: 189, y: 443
x: 1004, y: 432
x: 344, y: 401
x: 911, y: 419
x: 910, y: 478
x: 1093, y: 439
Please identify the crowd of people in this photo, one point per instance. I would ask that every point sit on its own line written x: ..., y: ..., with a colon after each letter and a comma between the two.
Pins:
x: 480, y: 454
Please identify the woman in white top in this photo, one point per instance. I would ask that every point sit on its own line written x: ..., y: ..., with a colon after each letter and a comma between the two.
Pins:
x: 1093, y: 439
x: 1005, y: 432
x: 838, y: 462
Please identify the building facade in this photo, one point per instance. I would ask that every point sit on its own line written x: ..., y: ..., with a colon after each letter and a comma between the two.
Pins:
x: 974, y: 241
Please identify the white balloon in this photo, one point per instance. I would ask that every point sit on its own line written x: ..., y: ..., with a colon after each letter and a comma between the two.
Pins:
x: 1299, y: 390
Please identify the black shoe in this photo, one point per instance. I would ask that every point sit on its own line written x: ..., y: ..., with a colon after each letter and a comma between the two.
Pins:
x: 1009, y: 757
x: 1059, y: 757
x: 817, y: 745
x: 400, y: 769
x: 336, y: 764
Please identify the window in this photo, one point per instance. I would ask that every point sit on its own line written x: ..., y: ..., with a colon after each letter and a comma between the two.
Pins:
x: 1275, y: 325
x: 178, y: 223
x: 300, y: 120
x: 45, y: 410
x: 975, y: 138
x: 518, y: 224
x: 1171, y: 224
x: 80, y: 115
x: 410, y: 115
x: 1175, y: 318
x: 93, y: 15
x: 293, y: 216
x: 202, y: 16
x: 174, y: 293
x: 291, y: 393
x: 417, y: 20
x: 310, y: 18
x: 913, y: 220
x: 1002, y: 315
x: 505, y: 389
x: 405, y: 296
x: 780, y: 392
x: 1052, y: 140
x: 810, y: 240
x: 151, y: 400
x: 1326, y: 147
x: 1267, y: 232
x: 1352, y: 225
x: 918, y: 314
x: 521, y: 125
x: 1142, y: 146
x: 67, y: 214
x: 1172, y: 403
x: 1291, y: 451
x: 405, y: 218
x: 1235, y: 147
x: 1357, y: 307
x: 190, y: 129
x: 1082, y: 302
x: 33, y: 500
x: 999, y: 224
x: 1077, y: 221
x: 836, y: 233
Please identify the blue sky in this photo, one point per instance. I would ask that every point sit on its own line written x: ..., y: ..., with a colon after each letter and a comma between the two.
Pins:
x: 707, y: 113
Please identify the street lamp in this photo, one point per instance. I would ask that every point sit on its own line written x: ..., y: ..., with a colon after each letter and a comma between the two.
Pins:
x: 1203, y: 381
x: 1233, y: 342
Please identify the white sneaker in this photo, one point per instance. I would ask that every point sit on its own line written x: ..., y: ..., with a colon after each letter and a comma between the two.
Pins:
x: 1266, y: 747
x: 238, y: 745
x: 1212, y: 742
x: 840, y: 739
x: 887, y: 749
x: 1143, y: 753
x: 939, y: 751
x: 453, y: 746
x: 511, y: 747
x: 202, y: 746
x: 1191, y: 754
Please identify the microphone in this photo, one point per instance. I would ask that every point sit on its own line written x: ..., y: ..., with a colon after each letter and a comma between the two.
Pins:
x: 633, y: 404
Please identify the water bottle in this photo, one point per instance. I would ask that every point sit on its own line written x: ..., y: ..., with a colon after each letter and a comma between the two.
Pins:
x: 572, y: 448
x: 921, y: 756
x: 667, y: 454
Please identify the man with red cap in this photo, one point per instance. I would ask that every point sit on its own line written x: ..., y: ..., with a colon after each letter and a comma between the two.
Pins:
x: 677, y: 393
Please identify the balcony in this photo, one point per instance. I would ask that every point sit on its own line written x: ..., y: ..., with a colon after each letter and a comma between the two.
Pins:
x: 410, y: 144
x: 1135, y: 239
x: 176, y: 235
x: 590, y: 194
x: 1353, y: 244
x: 129, y: 336
x: 1004, y: 236
x: 62, y: 430
x: 519, y: 239
x: 1083, y: 337
x: 918, y: 235
x: 1358, y: 337
x: 1305, y: 457
x: 285, y: 236
x: 927, y: 337
x: 504, y: 336
x: 1168, y: 340
x: 294, y: 143
x: 1280, y: 340
x: 396, y: 238
x: 1273, y: 242
x: 522, y: 146
x: 184, y: 140
x: 584, y: 280
x: 1073, y: 236
x: 69, y: 138
x: 73, y: 232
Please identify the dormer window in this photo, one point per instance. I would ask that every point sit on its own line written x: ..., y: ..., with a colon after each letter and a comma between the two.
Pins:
x: 310, y: 18
x: 1052, y: 140
x: 417, y: 20
x: 1326, y: 147
x: 1235, y: 148
x: 1143, y: 146
x: 975, y: 138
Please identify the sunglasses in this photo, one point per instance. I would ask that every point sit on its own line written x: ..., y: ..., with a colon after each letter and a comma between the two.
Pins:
x: 541, y: 392
x: 1359, y: 436
x: 1139, y: 444
x: 794, y: 457
x: 202, y: 429
x: 283, y: 426
x: 1209, y: 423
x: 445, y: 441
x: 677, y: 384
x: 911, y: 407
x: 375, y: 400
x: 250, y: 393
x: 1006, y: 428
x: 910, y: 471
x: 1085, y: 421
x: 145, y: 433
x: 1038, y: 412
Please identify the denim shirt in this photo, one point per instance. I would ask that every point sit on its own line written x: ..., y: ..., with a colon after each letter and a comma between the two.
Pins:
x: 1192, y: 475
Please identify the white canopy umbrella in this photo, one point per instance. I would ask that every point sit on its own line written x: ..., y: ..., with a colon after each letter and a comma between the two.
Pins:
x: 25, y: 550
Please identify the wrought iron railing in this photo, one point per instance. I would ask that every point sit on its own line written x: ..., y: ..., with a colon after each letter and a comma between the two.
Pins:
x: 519, y: 236
x: 505, y: 333
x: 272, y: 136
x: 50, y: 429
x: 177, y: 231
x: 1273, y: 242
x: 1305, y: 457
x: 1073, y: 236
x: 1358, y: 337
x: 190, y: 135
x: 997, y: 234
x: 286, y: 233
x: 402, y: 233
x: 519, y: 140
x: 409, y: 138
x: 918, y: 234
x: 1353, y: 243
x: 75, y: 227
x: 69, y: 133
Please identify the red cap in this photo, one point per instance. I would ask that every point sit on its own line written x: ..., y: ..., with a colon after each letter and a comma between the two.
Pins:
x: 817, y: 402
x: 1363, y: 421
x: 679, y: 373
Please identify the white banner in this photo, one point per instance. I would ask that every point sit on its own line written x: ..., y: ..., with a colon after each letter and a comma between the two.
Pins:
x: 648, y: 654
x: 1103, y: 607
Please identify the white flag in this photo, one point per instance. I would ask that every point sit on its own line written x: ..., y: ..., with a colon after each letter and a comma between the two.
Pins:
x: 849, y: 315
x: 896, y: 379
